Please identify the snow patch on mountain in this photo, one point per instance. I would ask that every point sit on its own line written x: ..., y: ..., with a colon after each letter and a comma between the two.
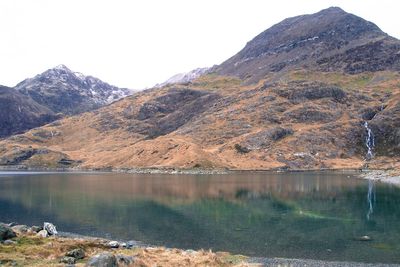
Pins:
x: 184, y: 77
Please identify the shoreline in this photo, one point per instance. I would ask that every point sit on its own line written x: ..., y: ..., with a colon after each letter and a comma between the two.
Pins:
x: 167, y: 170
x: 387, y: 176
x: 28, y: 247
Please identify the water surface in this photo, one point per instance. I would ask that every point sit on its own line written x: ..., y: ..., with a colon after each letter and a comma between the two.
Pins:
x: 295, y: 215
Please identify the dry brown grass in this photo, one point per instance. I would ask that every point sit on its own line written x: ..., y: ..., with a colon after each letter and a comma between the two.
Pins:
x: 34, y: 251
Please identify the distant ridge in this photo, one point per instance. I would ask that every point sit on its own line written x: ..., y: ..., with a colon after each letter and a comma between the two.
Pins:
x: 184, y: 77
x: 68, y: 92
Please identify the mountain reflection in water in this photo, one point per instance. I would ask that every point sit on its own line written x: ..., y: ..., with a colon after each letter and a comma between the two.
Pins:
x: 297, y: 215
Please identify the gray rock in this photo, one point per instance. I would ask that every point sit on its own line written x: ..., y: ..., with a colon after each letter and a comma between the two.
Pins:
x: 131, y: 244
x: 113, y: 244
x: 42, y: 233
x: 77, y: 253
x: 36, y: 229
x: 9, y: 242
x: 50, y: 228
x: 11, y: 224
x: 123, y: 245
x: 6, y: 232
x: 68, y: 260
x: 124, y: 260
x: 103, y: 260
x: 20, y: 228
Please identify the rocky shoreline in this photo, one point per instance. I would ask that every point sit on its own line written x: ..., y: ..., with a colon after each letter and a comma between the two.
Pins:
x: 21, y: 245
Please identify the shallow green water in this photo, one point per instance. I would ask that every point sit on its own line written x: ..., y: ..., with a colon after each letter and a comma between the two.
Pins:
x: 296, y: 215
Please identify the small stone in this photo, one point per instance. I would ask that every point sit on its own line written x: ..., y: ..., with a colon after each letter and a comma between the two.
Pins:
x: 124, y: 260
x: 20, y: 228
x: 77, y: 253
x: 123, y: 245
x: 11, y: 224
x: 113, y: 244
x: 103, y: 260
x: 50, y: 228
x: 43, y: 233
x: 6, y: 232
x: 9, y: 242
x: 68, y: 260
x: 131, y: 244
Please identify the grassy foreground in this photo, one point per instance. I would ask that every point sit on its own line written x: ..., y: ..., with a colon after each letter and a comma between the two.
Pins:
x: 31, y: 250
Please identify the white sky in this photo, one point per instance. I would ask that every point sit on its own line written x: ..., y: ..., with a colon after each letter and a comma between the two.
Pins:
x: 137, y: 44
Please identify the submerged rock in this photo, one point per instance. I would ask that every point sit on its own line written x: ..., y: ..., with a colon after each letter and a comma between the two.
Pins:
x: 363, y: 238
x: 50, y: 228
x: 6, y: 232
x: 103, y: 260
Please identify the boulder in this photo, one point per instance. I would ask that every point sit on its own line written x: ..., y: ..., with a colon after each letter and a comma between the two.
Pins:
x: 6, y: 232
x: 9, y: 242
x: 124, y: 260
x: 103, y: 260
x: 113, y: 244
x: 77, y: 253
x: 42, y: 233
x: 68, y: 260
x: 36, y: 229
x: 50, y: 228
x: 20, y: 228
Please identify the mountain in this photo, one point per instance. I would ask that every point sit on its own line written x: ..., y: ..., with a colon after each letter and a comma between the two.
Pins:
x: 330, y: 40
x: 315, y: 112
x: 68, y: 92
x: 20, y: 113
x: 184, y: 77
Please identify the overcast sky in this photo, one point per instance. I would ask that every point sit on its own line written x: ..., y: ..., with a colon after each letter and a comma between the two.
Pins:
x: 137, y: 44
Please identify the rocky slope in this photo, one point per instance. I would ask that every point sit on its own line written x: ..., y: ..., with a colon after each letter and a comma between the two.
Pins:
x: 330, y: 40
x: 68, y: 92
x: 20, y: 113
x: 309, y: 114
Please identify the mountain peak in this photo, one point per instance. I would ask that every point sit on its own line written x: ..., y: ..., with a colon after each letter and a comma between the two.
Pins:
x: 333, y: 9
x: 309, y: 40
x: 61, y: 67
x: 62, y: 90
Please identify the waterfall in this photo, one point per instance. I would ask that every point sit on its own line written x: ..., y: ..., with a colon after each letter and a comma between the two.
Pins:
x: 371, y: 197
x: 369, y: 142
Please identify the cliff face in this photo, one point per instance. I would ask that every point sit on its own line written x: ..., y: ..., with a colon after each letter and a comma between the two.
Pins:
x: 338, y: 71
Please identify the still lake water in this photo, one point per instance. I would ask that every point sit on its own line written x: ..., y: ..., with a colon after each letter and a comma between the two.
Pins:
x: 294, y: 215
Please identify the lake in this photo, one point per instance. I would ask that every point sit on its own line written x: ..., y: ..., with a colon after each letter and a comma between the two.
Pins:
x: 314, y: 215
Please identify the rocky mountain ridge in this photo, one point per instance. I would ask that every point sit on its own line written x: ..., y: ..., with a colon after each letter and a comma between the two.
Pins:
x: 68, y: 92
x: 330, y: 40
